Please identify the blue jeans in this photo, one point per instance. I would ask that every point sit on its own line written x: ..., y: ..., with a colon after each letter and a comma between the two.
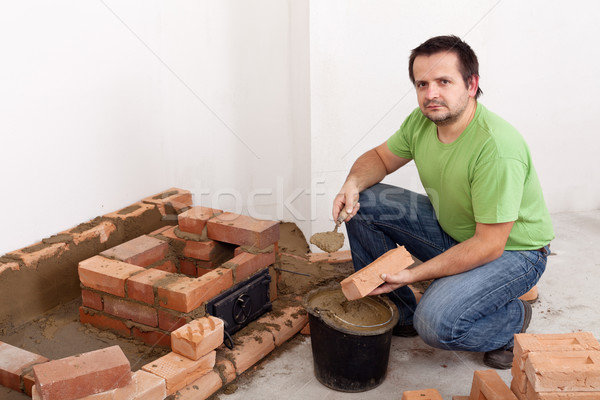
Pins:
x: 477, y: 310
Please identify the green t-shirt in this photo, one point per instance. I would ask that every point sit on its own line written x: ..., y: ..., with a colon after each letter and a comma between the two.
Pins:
x: 485, y: 176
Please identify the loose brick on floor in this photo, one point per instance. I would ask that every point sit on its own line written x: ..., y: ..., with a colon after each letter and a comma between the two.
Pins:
x: 250, y: 349
x: 519, y: 379
x: 285, y: 323
x: 423, y: 394
x: 526, y: 343
x: 78, y: 376
x: 245, y: 265
x: 201, y: 388
x: 331, y: 258
x: 194, y: 220
x: 13, y: 364
x: 142, y: 251
x: 130, y: 310
x: 489, y: 386
x: 106, y: 275
x: 564, y: 371
x: 243, y: 230
x: 185, y: 294
x: 532, y: 395
x: 198, y: 337
x: 141, y: 286
x: 179, y: 371
x: 362, y: 282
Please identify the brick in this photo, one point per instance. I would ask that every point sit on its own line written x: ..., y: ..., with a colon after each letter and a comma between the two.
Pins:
x: 106, y: 275
x: 185, y: 294
x: 245, y: 265
x: 81, y: 375
x: 273, y: 285
x: 152, y: 337
x: 305, y: 330
x: 167, y: 266
x: 13, y: 363
x: 171, y: 202
x: 130, y: 310
x: 285, y: 324
x: 92, y: 300
x: 190, y: 268
x: 101, y: 231
x: 102, y: 321
x: 576, y: 341
x: 201, y: 388
x: 518, y: 394
x: 519, y: 379
x: 141, y: 286
x: 243, y: 230
x: 179, y: 371
x: 160, y: 230
x: 460, y: 397
x: 170, y: 320
x: 337, y: 257
x: 143, y: 386
x: 488, y: 385
x: 133, y: 211
x: 362, y: 282
x: 6, y: 266
x: 142, y: 251
x: 532, y: 395
x: 530, y: 296
x: 249, y: 350
x: 206, y: 250
x: 32, y: 255
x: 564, y: 371
x: 194, y: 220
x: 198, y: 337
x: 226, y: 370
x: 423, y: 394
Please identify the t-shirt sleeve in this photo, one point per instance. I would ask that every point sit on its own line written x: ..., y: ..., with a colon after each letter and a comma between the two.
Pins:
x: 497, y: 190
x: 400, y: 143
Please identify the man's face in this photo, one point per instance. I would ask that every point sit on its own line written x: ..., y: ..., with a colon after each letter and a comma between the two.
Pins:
x: 441, y: 90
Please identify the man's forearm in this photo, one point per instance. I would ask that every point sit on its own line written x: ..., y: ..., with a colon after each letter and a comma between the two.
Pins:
x: 367, y: 170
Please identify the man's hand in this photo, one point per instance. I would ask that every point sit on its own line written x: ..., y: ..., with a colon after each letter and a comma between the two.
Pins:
x: 393, y: 282
x: 346, y: 199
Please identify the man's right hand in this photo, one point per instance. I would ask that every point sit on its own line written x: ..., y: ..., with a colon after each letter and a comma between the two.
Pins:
x: 346, y: 199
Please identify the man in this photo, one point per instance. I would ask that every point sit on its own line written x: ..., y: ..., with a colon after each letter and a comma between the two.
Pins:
x: 483, y: 230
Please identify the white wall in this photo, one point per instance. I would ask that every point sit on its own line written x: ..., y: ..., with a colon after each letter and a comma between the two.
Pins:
x: 538, y: 66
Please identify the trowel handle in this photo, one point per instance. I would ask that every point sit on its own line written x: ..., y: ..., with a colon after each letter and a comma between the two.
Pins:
x: 342, y: 216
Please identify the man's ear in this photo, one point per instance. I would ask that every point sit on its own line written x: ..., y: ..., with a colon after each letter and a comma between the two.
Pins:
x: 473, y: 85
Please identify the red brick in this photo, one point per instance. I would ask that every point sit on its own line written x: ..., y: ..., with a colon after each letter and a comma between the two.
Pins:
x: 207, y: 250
x: 160, y: 230
x: 243, y: 230
x: 305, y: 330
x: 91, y: 299
x: 201, y: 388
x: 106, y: 275
x: 249, y: 350
x: 130, y: 310
x: 170, y: 320
x: 78, y: 376
x: 532, y: 395
x: 198, y: 338
x: 362, y: 282
x: 226, y: 369
x: 102, y: 321
x: 564, y: 371
x: 423, y: 394
x: 488, y: 385
x: 179, y: 371
x: 152, y: 337
x: 133, y: 211
x: 141, y: 286
x: 519, y: 379
x: 337, y: 257
x: 142, y: 251
x: 245, y: 265
x: 143, y: 386
x: 575, y: 341
x: 518, y: 394
x: 32, y: 255
x: 167, y: 266
x: 286, y: 324
x: 173, y: 200
x: 13, y: 363
x: 194, y: 220
x: 186, y: 294
x: 102, y: 231
x: 530, y: 296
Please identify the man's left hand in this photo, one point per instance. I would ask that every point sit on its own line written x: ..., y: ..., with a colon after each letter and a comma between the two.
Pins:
x: 393, y: 282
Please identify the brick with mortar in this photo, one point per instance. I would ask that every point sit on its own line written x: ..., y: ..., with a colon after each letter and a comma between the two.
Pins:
x: 423, y: 394
x: 142, y: 251
x: 198, y: 337
x: 564, y: 371
x: 194, y: 220
x: 152, y: 337
x: 81, y: 375
x: 143, y: 386
x: 102, y: 231
x: 526, y: 343
x: 362, y: 282
x: 130, y: 310
x: 249, y: 350
x: 91, y: 299
x: 185, y: 294
x: 206, y: 250
x: 32, y: 255
x: 202, y: 388
x: 167, y: 266
x: 226, y: 369
x: 13, y: 364
x: 106, y: 275
x: 285, y: 323
x: 243, y: 230
x: 488, y: 385
x: 245, y: 265
x: 171, y: 320
x: 141, y: 286
x: 103, y: 321
x: 179, y: 371
x: 171, y: 201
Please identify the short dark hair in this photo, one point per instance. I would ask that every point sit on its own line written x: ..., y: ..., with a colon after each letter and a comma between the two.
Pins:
x: 468, y: 67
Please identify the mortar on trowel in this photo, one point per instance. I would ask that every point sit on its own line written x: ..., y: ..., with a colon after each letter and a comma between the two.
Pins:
x: 330, y: 241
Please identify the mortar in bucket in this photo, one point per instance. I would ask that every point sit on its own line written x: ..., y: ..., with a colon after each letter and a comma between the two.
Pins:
x: 350, y: 340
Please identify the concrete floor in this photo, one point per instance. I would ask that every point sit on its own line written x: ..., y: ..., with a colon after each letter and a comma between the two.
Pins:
x: 568, y: 302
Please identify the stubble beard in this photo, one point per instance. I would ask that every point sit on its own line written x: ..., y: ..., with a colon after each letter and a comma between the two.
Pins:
x: 446, y: 118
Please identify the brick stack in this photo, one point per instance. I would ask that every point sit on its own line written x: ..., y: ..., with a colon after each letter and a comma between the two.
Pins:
x: 151, y: 285
x: 556, y: 367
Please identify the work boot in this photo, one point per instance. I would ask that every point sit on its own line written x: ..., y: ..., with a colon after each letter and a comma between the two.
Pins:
x: 404, y: 331
x: 503, y: 358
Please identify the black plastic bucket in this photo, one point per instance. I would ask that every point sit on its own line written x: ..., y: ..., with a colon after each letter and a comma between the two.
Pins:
x: 350, y: 356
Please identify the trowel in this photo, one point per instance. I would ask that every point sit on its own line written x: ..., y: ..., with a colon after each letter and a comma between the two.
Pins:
x: 331, y: 241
